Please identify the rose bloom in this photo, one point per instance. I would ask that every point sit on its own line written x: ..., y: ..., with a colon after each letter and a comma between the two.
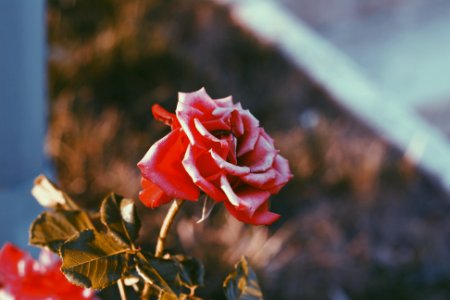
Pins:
x: 23, y: 278
x: 217, y: 147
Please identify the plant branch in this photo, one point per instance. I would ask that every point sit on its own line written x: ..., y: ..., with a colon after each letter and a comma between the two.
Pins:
x: 168, y: 221
x: 123, y: 295
x: 145, y: 291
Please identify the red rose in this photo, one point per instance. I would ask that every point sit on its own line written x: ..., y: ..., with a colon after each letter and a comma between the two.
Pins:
x: 217, y: 147
x: 23, y: 278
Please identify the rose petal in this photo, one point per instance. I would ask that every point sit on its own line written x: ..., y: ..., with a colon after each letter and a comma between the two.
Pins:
x: 237, y: 124
x: 190, y: 165
x: 204, y: 132
x: 160, y: 114
x: 281, y: 167
x: 229, y: 148
x: 281, y: 164
x: 217, y: 124
x: 23, y: 278
x: 227, y: 167
x: 267, y: 137
x: 225, y: 110
x: 251, y: 133
x: 261, y: 217
x: 221, y: 111
x: 11, y: 258
x: 225, y: 102
x: 48, y: 259
x: 151, y: 195
x: 162, y: 165
x: 262, y: 156
x: 198, y: 99
x: 260, y: 180
x: 247, y: 199
x: 228, y: 190
x: 190, y: 106
x: 209, y: 141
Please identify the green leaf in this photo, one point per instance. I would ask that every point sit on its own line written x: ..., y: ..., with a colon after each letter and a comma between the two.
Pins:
x: 95, y: 259
x: 120, y: 217
x: 52, y: 228
x: 242, y: 283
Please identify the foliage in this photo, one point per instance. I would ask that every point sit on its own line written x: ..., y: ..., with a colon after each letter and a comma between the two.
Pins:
x: 242, y: 284
x: 99, y: 250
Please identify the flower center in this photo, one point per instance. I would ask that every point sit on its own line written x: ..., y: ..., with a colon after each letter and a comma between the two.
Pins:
x: 220, y: 134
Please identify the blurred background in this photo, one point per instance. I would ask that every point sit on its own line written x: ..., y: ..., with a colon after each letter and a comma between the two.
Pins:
x: 361, y: 219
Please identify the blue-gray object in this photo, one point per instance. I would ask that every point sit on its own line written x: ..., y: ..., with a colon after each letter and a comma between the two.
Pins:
x: 22, y: 113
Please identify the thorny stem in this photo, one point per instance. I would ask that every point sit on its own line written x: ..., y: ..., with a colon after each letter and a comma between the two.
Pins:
x: 168, y: 221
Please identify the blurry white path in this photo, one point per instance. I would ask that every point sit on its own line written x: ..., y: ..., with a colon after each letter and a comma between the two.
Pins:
x: 384, y: 75
x: 403, y: 47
